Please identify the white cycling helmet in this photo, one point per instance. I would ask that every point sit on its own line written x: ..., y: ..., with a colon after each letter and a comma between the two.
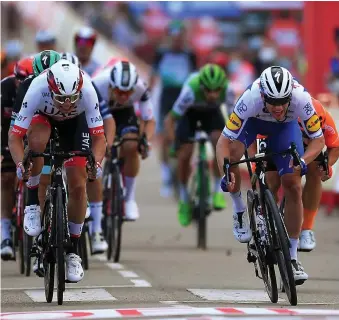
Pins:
x: 276, y: 84
x: 124, y: 76
x: 71, y: 57
x: 65, y: 80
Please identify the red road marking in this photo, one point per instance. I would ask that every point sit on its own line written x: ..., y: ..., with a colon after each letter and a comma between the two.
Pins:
x: 230, y: 310
x: 129, y: 312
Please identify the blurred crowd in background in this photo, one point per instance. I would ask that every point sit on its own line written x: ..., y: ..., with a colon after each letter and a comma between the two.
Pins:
x: 242, y: 36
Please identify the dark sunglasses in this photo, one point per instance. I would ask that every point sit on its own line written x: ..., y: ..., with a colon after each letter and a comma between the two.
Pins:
x: 277, y: 102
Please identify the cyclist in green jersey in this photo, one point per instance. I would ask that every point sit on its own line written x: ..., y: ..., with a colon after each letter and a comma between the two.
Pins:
x: 199, y: 101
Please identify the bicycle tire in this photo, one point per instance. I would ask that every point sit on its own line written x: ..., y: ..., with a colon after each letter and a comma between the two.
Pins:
x: 60, y: 235
x: 83, y: 248
x: 107, y: 209
x: 48, y: 255
x: 266, y: 269
x: 27, y: 246
x: 282, y: 249
x: 203, y: 200
x: 21, y: 256
x: 118, y: 215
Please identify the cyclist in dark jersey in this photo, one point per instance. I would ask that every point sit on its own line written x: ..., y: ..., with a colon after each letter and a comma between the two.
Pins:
x: 9, y: 86
x: 173, y: 65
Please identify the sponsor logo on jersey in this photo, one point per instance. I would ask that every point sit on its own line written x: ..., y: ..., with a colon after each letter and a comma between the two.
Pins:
x: 308, y: 108
x: 96, y: 131
x: 329, y: 129
x: 241, y: 107
x: 20, y: 118
x: 313, y: 124
x: 234, y: 123
x: 96, y: 119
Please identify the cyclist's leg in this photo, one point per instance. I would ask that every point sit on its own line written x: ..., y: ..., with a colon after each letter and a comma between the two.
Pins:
x: 129, y: 128
x: 311, y: 197
x: 38, y: 135
x: 94, y: 194
x: 7, y: 202
x: 168, y: 97
x: 213, y: 123
x: 241, y: 229
x: 184, y: 132
x: 77, y: 196
x: 280, y: 138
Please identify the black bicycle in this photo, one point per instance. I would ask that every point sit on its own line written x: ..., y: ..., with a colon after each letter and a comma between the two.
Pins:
x: 55, y: 233
x: 200, y: 188
x: 270, y: 241
x: 114, y: 202
x: 83, y: 247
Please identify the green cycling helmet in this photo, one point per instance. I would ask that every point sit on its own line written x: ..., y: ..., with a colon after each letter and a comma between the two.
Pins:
x: 212, y: 77
x: 44, y: 60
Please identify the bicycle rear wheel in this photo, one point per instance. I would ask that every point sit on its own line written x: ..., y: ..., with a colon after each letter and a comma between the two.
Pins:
x: 27, y: 246
x: 83, y: 247
x: 48, y: 252
x: 203, y: 204
x: 266, y: 267
x: 60, y: 258
x: 281, y: 242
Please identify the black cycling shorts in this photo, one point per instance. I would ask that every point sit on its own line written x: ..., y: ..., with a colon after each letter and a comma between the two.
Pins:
x: 73, y: 135
x: 126, y: 121
x: 210, y: 119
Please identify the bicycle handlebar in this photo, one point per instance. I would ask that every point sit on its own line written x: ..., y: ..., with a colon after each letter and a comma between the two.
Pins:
x: 29, y: 155
x: 262, y: 157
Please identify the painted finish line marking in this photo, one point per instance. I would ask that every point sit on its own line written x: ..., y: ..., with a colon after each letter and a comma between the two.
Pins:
x: 127, y: 274
x: 73, y: 295
x: 131, y: 276
x: 234, y: 295
x: 153, y: 312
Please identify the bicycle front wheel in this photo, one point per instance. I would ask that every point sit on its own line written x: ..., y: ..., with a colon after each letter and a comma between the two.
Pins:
x: 60, y: 235
x: 203, y: 204
x: 266, y: 266
x: 281, y: 242
x: 118, y: 207
x: 48, y: 254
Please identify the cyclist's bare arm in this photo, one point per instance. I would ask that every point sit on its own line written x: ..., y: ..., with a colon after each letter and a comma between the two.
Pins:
x: 110, y: 131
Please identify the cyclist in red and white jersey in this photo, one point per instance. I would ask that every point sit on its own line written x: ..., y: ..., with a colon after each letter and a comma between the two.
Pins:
x: 64, y: 98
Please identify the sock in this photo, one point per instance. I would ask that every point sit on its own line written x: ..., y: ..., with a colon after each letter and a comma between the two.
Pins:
x: 96, y: 214
x: 75, y: 245
x: 294, y: 248
x: 75, y: 229
x: 309, y: 217
x: 130, y: 188
x: 183, y: 193
x: 217, y: 181
x: 165, y: 173
x: 33, y: 190
x: 5, y: 228
x: 238, y: 203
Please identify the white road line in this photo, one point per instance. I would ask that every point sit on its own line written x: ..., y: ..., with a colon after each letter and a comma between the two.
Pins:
x: 235, y: 295
x: 141, y: 283
x: 73, y: 295
x: 114, y: 266
x: 128, y: 274
x: 174, y: 303
x: 71, y: 287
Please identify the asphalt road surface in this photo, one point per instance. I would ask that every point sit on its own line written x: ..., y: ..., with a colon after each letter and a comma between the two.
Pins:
x: 161, y: 273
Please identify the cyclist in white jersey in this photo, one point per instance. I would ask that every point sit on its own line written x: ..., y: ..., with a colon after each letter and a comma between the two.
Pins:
x: 94, y: 192
x: 120, y: 87
x: 61, y: 97
x: 271, y: 106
